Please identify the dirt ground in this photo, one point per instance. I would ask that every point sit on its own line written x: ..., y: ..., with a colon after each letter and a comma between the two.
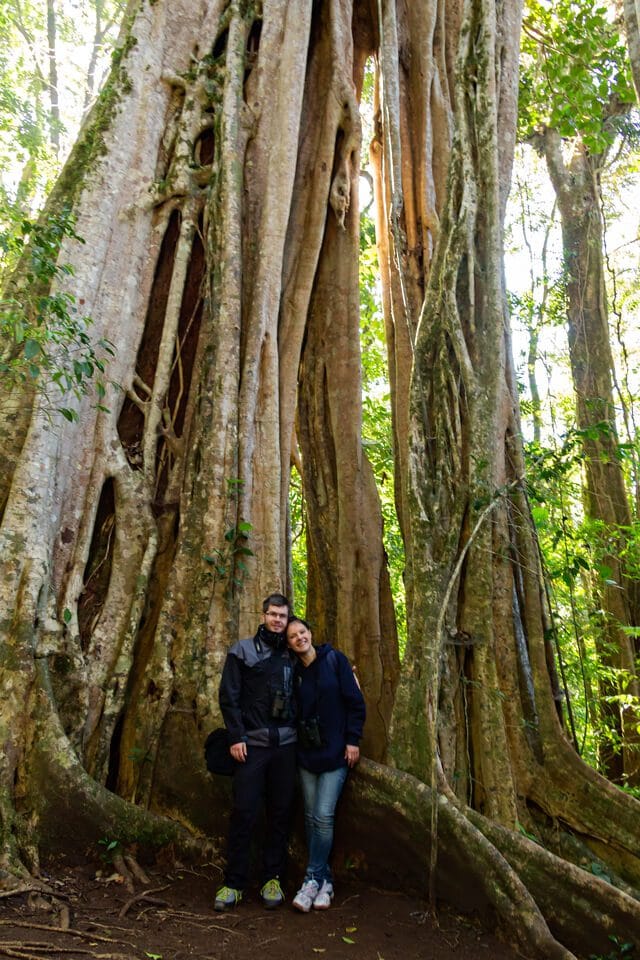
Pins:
x: 172, y: 918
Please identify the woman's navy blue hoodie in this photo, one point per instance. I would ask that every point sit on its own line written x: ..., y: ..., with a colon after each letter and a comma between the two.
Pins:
x: 327, y: 689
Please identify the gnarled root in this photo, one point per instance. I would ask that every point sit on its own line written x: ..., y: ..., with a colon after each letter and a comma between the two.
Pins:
x: 551, y: 908
x: 70, y: 810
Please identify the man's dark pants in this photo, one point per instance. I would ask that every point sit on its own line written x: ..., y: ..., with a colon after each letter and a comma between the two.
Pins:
x: 269, y: 773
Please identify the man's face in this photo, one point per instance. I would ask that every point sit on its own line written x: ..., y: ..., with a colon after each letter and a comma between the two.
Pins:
x: 275, y: 618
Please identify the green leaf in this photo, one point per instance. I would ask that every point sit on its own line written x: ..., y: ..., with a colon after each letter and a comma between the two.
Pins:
x: 31, y: 349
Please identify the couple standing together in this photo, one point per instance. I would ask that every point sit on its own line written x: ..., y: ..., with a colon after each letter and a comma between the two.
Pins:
x: 287, y: 703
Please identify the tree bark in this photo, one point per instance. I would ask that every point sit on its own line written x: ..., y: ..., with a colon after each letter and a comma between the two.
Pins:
x: 479, y: 663
x: 632, y: 22
x: 54, y: 121
x: 606, y: 496
x: 215, y: 182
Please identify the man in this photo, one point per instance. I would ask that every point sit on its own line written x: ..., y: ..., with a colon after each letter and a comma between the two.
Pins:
x: 258, y: 709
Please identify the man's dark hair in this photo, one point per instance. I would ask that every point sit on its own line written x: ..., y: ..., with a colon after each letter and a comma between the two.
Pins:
x: 274, y: 600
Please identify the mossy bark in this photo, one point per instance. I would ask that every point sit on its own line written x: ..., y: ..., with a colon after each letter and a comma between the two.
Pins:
x: 138, y: 543
x: 479, y: 666
x: 223, y: 232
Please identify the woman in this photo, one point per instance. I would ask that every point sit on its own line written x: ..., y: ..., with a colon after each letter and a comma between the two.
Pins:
x: 331, y: 713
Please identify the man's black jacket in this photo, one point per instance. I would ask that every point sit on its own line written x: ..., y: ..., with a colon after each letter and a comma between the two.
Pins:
x: 256, y: 691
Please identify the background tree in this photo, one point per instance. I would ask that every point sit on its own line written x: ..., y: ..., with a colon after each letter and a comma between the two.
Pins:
x: 576, y: 85
x: 632, y: 21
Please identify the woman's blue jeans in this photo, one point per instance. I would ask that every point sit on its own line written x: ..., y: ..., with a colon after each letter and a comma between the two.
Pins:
x: 320, y: 792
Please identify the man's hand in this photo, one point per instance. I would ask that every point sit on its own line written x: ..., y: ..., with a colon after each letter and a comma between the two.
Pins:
x: 351, y: 755
x: 239, y: 751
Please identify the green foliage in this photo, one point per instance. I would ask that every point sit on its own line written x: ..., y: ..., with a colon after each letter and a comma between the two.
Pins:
x: 44, y: 338
x: 228, y: 562
x: 575, y: 72
x: 576, y: 552
x: 377, y: 435
x: 109, y: 849
x: 298, y: 528
x: 622, y: 950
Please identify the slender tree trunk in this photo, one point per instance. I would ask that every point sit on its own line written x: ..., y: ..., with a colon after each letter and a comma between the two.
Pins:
x: 606, y: 496
x: 99, y: 31
x: 54, y: 123
x: 632, y: 22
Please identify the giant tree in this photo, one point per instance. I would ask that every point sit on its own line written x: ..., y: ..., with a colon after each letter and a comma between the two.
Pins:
x: 215, y: 183
x: 479, y: 664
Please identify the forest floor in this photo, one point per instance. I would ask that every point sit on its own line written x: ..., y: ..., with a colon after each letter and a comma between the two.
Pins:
x: 172, y: 918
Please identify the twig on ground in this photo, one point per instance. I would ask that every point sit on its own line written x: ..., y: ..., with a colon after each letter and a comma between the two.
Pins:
x: 49, y: 929
x: 20, y: 950
x: 145, y: 895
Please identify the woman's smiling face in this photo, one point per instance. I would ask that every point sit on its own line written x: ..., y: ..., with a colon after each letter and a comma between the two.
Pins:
x: 299, y: 637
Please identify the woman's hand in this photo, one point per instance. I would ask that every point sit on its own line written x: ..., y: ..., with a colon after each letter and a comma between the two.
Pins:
x: 239, y: 751
x: 351, y: 755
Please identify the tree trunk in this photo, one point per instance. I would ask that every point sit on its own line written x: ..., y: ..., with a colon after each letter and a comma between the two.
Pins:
x: 632, y: 23
x: 479, y: 662
x: 162, y: 523
x: 606, y: 496
x: 214, y: 181
x: 54, y: 120
x: 541, y: 897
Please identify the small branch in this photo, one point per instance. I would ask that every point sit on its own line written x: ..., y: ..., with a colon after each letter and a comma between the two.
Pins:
x: 145, y: 895
x: 49, y: 929
x: 174, y: 81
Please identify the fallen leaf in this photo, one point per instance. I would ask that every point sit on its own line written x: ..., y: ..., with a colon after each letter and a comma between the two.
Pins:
x: 348, y: 940
x: 351, y: 929
x: 319, y: 949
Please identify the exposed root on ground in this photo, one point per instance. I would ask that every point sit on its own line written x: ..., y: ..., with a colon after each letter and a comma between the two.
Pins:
x: 71, y: 809
x: 547, y: 905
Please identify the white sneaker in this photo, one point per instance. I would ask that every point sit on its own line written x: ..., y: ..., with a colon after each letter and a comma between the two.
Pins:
x: 324, y: 896
x: 306, y: 896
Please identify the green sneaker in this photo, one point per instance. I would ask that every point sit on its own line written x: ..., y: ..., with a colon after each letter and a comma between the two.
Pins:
x: 271, y: 893
x: 226, y: 898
